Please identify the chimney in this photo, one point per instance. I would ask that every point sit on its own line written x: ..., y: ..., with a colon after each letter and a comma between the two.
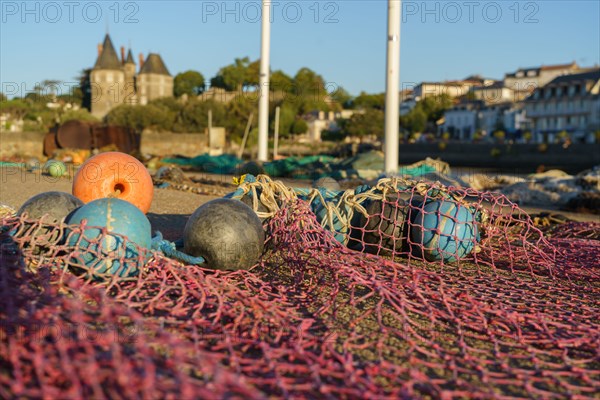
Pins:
x: 122, y: 54
x: 99, y: 49
x: 141, y: 60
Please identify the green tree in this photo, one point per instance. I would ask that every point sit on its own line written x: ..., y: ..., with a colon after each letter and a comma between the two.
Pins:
x: 253, y: 73
x: 287, y: 116
x: 435, y: 106
x: 3, y: 97
x: 309, y: 83
x: 234, y: 76
x: 140, y: 117
x: 366, y: 101
x: 188, y: 82
x: 299, y: 127
x: 16, y: 108
x: 308, y: 92
x: 280, y: 82
x: 81, y: 114
x: 194, y: 115
x: 238, y: 111
x: 342, y: 97
x: 415, y: 121
x: 86, y: 88
x: 371, y: 122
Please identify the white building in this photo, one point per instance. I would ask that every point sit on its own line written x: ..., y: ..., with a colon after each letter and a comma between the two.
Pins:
x: 496, y: 93
x: 568, y: 103
x: 525, y: 80
x: 463, y: 120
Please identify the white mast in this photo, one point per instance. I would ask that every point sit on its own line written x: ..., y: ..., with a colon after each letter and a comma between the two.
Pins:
x: 392, y: 104
x: 263, y: 104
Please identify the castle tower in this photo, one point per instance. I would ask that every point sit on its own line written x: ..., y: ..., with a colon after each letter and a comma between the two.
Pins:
x: 107, y: 80
x: 129, y: 92
x: 154, y: 80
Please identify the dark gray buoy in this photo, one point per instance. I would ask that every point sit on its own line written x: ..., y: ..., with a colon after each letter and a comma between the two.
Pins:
x: 226, y: 233
x: 385, y: 231
x: 56, y: 204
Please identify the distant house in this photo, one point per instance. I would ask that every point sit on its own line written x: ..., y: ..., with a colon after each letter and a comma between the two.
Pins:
x: 568, y: 103
x: 525, y: 80
x: 461, y: 120
x: 466, y: 118
x: 114, y: 80
x: 496, y: 93
x: 451, y: 88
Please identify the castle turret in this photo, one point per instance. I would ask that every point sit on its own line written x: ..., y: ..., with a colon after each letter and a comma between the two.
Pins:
x: 154, y: 80
x: 107, y: 80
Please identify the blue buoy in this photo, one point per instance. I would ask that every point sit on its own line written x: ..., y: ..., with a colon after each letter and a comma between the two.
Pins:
x: 443, y: 230
x: 112, y: 254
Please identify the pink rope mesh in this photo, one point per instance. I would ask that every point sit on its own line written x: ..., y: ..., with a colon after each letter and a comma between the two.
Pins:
x: 518, y: 318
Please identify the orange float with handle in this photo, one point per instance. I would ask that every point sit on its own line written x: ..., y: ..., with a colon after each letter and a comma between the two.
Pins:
x: 114, y: 174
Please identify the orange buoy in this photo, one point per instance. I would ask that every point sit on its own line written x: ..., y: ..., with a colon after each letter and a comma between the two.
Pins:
x: 114, y: 174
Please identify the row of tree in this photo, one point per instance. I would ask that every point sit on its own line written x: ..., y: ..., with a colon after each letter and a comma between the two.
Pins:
x: 297, y: 95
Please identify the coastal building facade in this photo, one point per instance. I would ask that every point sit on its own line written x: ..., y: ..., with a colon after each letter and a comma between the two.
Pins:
x: 568, y: 103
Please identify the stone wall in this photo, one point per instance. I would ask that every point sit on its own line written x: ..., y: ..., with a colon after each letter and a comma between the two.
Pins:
x: 184, y: 144
x: 21, y: 143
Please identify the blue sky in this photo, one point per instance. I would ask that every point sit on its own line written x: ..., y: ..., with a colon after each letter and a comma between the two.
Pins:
x: 344, y: 41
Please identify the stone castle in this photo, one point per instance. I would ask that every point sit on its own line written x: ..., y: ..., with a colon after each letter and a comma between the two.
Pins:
x: 114, y: 81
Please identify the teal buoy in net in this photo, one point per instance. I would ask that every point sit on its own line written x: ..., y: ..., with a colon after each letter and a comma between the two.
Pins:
x: 55, y: 206
x: 112, y: 254
x: 226, y: 233
x: 443, y: 230
x: 332, y: 222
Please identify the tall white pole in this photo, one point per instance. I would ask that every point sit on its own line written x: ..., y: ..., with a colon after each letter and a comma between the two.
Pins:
x: 392, y: 87
x: 263, y: 104
x: 276, y: 134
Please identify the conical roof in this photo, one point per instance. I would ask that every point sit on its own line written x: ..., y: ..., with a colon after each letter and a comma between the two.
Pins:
x: 129, y: 58
x: 154, y: 65
x: 108, y: 58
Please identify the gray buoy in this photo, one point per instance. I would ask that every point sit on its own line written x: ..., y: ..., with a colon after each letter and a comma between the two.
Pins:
x: 56, y: 204
x: 226, y: 233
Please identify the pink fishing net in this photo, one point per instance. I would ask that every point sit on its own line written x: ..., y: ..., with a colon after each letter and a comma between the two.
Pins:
x: 517, y: 316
